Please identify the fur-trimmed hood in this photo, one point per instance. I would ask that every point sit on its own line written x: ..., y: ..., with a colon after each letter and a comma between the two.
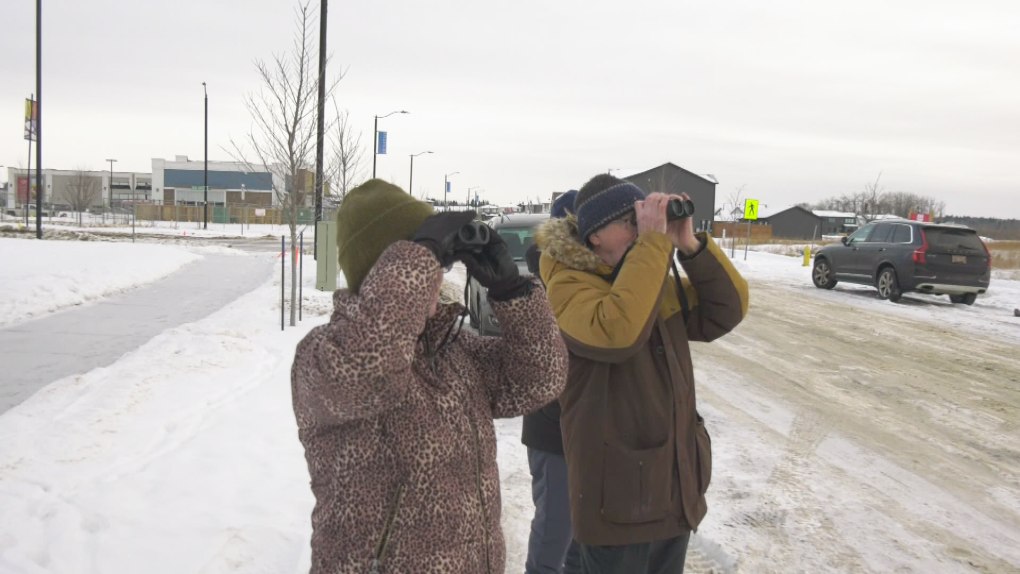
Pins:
x: 560, y: 239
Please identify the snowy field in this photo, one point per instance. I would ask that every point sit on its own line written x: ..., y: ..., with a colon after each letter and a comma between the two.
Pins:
x: 849, y: 436
x: 40, y: 277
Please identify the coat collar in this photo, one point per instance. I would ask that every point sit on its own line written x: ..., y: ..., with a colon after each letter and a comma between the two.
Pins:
x: 560, y: 239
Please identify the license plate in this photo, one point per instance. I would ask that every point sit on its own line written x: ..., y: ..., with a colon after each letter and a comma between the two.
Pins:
x: 959, y: 259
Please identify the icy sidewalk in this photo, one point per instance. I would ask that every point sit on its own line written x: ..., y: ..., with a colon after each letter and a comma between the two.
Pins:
x: 40, y: 277
x: 180, y: 457
x: 79, y: 340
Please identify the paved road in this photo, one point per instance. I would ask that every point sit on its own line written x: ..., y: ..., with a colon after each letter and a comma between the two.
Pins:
x: 76, y: 341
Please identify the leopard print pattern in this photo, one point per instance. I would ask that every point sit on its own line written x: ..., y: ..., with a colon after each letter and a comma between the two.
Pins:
x: 398, y: 435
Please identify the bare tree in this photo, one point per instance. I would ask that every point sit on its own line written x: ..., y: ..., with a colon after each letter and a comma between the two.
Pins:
x: 281, y: 142
x: 345, y: 165
x: 873, y: 199
x: 82, y: 191
x: 735, y: 201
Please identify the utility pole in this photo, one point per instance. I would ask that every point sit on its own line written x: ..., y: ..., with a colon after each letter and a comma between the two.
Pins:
x: 321, y: 126
x: 109, y: 188
x: 205, y: 170
x: 38, y: 136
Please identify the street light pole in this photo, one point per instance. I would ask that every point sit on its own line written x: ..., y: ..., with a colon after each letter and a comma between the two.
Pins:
x: 205, y: 169
x: 410, y: 184
x: 446, y: 185
x: 38, y: 133
x: 109, y: 189
x: 375, y: 137
x: 321, y: 127
x: 469, y: 194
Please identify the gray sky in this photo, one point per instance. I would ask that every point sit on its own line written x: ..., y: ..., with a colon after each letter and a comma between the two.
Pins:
x: 799, y: 100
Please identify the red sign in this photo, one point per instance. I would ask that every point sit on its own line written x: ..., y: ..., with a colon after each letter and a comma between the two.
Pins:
x: 922, y: 217
x: 22, y: 190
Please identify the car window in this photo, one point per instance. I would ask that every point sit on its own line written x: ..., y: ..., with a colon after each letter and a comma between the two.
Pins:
x: 862, y: 234
x: 942, y: 238
x: 901, y: 234
x: 518, y: 240
x: 881, y: 233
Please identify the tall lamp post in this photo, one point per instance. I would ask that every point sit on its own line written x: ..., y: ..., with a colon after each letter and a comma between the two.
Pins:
x: 109, y: 189
x: 469, y: 194
x: 446, y: 186
x: 375, y: 137
x: 205, y: 169
x: 410, y: 183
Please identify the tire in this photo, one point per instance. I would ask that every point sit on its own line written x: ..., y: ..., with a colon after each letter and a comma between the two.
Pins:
x: 969, y: 299
x: 956, y: 299
x: 822, y: 275
x: 888, y: 285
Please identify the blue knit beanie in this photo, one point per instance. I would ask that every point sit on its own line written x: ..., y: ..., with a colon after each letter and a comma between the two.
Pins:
x: 603, y: 199
x: 564, y: 205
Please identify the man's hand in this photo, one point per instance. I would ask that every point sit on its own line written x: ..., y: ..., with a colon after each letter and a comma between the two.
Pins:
x: 651, y: 213
x: 681, y: 232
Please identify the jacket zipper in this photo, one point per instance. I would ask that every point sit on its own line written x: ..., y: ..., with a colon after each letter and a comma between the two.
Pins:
x: 384, y: 541
x: 481, y: 497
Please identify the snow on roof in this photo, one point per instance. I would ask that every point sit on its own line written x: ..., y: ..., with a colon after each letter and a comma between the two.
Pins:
x: 837, y: 214
x: 765, y: 212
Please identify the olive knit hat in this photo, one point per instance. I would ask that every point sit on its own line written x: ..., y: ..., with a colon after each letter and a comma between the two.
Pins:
x: 372, y: 217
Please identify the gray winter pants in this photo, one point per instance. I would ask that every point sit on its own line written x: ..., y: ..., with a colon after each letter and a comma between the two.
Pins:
x: 551, y: 547
x: 662, y: 557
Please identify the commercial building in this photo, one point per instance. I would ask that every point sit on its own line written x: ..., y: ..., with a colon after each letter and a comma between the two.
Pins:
x: 59, y: 187
x: 180, y: 181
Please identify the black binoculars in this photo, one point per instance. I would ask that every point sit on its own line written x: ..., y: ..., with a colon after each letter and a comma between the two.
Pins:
x: 472, y: 237
x: 679, y: 209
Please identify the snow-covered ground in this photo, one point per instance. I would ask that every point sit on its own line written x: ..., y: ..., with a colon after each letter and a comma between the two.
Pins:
x: 844, y: 442
x: 992, y: 314
x: 169, y: 228
x: 39, y: 277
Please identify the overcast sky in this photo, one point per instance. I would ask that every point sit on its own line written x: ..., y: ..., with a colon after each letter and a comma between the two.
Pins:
x: 799, y: 100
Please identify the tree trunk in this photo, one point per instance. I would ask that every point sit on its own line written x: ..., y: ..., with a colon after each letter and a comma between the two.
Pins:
x: 293, y: 271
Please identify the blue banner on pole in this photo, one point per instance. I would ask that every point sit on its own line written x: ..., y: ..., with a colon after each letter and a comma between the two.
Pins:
x: 382, y: 142
x: 476, y: 199
x: 447, y: 187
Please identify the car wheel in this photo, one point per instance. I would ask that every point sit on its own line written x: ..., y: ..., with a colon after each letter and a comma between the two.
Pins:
x: 956, y: 299
x: 969, y: 299
x: 888, y: 286
x: 822, y: 275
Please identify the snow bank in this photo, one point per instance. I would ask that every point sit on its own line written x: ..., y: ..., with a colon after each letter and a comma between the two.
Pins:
x: 181, y: 457
x: 39, y: 277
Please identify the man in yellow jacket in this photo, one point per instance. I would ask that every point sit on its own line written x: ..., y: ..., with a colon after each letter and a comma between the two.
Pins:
x: 638, y: 455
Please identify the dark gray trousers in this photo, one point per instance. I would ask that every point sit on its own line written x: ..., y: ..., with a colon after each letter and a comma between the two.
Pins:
x: 662, y: 557
x: 551, y: 546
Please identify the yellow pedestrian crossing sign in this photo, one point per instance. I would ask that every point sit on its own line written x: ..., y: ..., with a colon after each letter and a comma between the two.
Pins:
x: 751, y: 209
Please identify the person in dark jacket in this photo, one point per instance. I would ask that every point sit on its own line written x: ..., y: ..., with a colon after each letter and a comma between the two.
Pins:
x: 551, y: 546
x: 639, y: 457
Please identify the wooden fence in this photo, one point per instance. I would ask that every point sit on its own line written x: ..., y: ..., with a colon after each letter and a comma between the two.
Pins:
x: 759, y: 233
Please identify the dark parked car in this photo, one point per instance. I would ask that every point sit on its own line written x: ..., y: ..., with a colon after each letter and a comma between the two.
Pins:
x: 518, y: 230
x: 900, y: 256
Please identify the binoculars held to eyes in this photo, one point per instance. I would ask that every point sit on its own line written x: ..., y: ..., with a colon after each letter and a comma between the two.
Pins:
x: 472, y: 237
x: 679, y: 209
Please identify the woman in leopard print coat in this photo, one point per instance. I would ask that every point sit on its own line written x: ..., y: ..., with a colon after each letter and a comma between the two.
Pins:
x: 398, y: 435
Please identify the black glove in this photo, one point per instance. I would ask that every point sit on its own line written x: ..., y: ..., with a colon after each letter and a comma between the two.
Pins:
x: 494, y: 268
x: 439, y: 231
